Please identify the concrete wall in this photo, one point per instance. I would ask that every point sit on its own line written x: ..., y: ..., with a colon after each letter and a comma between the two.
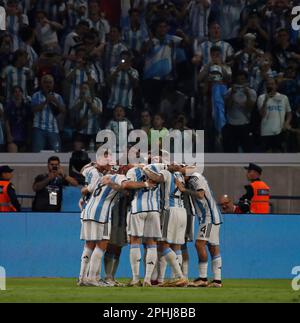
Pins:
x: 224, y: 172
x: 48, y: 245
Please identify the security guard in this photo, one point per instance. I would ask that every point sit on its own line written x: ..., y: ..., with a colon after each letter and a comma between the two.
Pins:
x: 257, y: 192
x: 8, y: 197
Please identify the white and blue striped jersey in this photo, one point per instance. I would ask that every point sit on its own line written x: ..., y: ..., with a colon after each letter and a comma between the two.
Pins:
x: 145, y: 199
x: 112, y: 56
x: 79, y: 78
x: 203, y: 49
x: 159, y: 61
x: 92, y: 177
x: 45, y: 119
x: 13, y: 76
x: 122, y: 88
x: 206, y: 209
x: 172, y: 195
x: 198, y: 19
x: 101, y: 26
x: 102, y: 201
x: 135, y: 39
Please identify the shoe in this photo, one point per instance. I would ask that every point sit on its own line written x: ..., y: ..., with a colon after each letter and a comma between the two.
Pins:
x: 215, y: 285
x: 135, y: 284
x: 198, y: 283
x: 154, y: 282
x: 81, y: 282
x: 179, y: 282
x: 118, y: 284
x: 108, y: 282
x: 147, y: 284
x: 92, y: 283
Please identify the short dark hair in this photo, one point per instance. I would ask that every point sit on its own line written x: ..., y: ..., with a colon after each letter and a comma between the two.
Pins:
x: 53, y: 158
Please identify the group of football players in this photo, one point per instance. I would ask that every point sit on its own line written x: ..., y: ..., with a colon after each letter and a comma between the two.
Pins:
x: 151, y: 206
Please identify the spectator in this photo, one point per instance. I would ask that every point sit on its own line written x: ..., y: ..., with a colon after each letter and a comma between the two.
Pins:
x: 145, y: 121
x: 49, y: 187
x: 284, y: 51
x: 113, y: 49
x: 8, y: 197
x: 160, y: 70
x: 27, y: 39
x: 78, y: 160
x: 158, y: 131
x: 6, y: 50
x: 254, y: 26
x: 119, y: 120
x: 86, y: 110
x: 276, y: 116
x: 46, y: 107
x: 97, y: 21
x: 15, y: 20
x: 82, y: 72
x: 257, y: 192
x: 202, y: 49
x: 46, y: 32
x: 136, y: 33
x: 123, y: 79
x: 240, y: 102
x: 18, y: 122
x: 17, y: 74
x: 198, y: 14
x: 248, y: 57
x: 227, y: 206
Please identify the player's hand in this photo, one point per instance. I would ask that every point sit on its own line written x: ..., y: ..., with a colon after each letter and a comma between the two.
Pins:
x: 106, y: 180
x: 180, y: 186
x: 151, y: 184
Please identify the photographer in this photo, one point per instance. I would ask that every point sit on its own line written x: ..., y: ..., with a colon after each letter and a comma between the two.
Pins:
x: 276, y: 116
x: 46, y: 106
x: 82, y: 72
x: 86, y: 111
x: 49, y: 187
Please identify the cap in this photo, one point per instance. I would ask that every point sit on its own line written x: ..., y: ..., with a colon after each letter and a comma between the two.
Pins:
x: 5, y: 169
x: 250, y: 36
x: 216, y: 69
x: 254, y: 167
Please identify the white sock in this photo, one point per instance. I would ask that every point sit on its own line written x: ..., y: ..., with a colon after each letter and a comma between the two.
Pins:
x: 115, y: 266
x: 203, y: 269
x: 85, y: 261
x: 155, y: 271
x: 171, y: 259
x: 185, y: 262
x: 108, y: 265
x: 135, y: 260
x: 96, y: 263
x: 151, y: 260
x: 179, y: 257
x: 162, y: 266
x: 216, y: 267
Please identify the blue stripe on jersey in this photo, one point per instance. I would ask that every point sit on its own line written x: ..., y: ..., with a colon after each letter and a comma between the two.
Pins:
x: 101, y: 202
x: 202, y: 209
x: 172, y: 191
x: 210, y: 210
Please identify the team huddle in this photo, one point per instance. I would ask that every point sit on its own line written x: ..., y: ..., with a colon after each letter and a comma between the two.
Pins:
x: 153, y: 206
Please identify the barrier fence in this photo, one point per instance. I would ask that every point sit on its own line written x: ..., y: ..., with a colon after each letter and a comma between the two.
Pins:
x: 48, y: 245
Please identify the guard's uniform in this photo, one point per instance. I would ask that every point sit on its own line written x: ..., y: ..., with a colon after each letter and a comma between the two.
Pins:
x: 8, y: 198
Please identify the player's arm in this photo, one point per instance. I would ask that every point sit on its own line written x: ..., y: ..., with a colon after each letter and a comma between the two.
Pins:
x: 155, y: 177
x: 130, y: 185
x: 200, y: 194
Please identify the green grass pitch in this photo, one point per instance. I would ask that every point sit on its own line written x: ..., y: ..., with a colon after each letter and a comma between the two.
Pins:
x: 65, y: 290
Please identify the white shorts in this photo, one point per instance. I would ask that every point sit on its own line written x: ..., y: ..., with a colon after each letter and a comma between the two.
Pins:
x: 174, y: 222
x: 144, y: 225
x: 94, y: 231
x: 209, y: 232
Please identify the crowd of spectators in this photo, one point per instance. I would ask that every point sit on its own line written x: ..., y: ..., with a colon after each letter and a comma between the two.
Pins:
x: 72, y: 67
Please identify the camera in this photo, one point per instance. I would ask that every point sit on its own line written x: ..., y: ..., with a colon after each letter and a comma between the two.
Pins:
x: 122, y: 61
x: 55, y: 168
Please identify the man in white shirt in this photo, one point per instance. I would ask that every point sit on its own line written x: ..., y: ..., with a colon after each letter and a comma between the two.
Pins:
x: 276, y: 115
